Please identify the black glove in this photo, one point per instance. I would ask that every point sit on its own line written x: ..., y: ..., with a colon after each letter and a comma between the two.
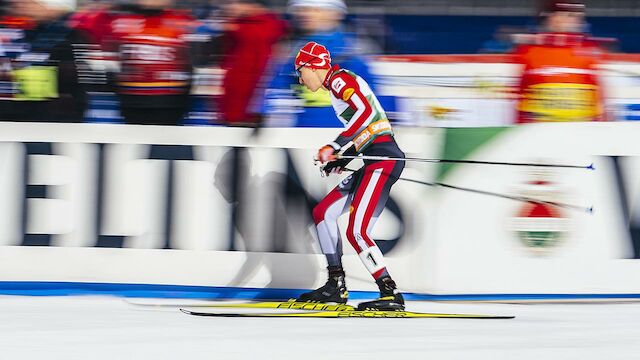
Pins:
x: 335, y: 166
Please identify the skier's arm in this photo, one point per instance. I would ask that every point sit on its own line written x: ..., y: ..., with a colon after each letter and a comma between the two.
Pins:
x: 346, y: 88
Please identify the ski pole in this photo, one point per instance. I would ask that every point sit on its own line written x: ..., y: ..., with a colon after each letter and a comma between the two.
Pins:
x: 588, y: 210
x: 382, y: 158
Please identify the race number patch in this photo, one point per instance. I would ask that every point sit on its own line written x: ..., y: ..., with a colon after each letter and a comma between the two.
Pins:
x: 337, y: 84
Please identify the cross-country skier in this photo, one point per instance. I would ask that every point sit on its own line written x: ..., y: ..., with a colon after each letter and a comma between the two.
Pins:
x: 365, y: 192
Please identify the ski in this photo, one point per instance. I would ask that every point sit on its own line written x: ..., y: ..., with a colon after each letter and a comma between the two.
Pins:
x: 285, y: 305
x: 345, y: 314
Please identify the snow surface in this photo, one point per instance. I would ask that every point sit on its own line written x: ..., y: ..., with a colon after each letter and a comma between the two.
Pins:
x: 91, y: 328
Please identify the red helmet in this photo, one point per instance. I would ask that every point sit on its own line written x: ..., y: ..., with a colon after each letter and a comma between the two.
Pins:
x: 313, y: 55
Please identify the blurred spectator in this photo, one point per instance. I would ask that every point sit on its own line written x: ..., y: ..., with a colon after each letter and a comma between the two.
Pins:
x: 39, y: 69
x: 94, y: 19
x: 250, y: 34
x: 154, y: 80
x: 206, y: 49
x: 287, y: 102
x: 560, y: 80
x: 501, y: 42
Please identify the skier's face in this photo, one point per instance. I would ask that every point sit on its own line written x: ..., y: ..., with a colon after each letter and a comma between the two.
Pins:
x: 310, y: 78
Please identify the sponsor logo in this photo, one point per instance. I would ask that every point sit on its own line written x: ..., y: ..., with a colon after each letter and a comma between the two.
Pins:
x: 313, y: 306
x: 345, y: 182
x: 323, y: 59
x: 372, y: 314
x: 347, y: 94
x: 440, y: 112
x: 337, y: 84
x: 540, y: 227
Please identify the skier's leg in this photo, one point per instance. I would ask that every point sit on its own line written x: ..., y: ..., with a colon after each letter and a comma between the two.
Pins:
x: 326, y: 215
x: 368, y: 203
x: 369, y: 200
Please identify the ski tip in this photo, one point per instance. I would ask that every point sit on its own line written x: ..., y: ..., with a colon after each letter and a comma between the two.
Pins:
x: 591, y: 167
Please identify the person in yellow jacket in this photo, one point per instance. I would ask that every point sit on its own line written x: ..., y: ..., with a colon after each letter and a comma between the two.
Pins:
x: 40, y: 71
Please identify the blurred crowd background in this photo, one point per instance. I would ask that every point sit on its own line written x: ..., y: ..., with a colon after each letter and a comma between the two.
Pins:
x: 229, y: 62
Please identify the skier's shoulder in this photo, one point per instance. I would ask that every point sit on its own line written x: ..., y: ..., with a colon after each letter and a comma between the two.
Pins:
x: 343, y: 83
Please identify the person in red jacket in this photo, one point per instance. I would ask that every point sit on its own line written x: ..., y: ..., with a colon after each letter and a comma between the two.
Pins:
x: 150, y: 41
x: 94, y: 20
x: 559, y: 79
x: 249, y: 40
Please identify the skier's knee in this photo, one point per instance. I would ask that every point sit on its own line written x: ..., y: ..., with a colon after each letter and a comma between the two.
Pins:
x: 318, y: 213
x: 352, y: 235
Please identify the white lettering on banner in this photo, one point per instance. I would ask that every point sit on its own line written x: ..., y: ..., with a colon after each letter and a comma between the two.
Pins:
x: 135, y: 200
x: 11, y: 192
x: 63, y: 208
x: 68, y: 209
x: 337, y: 84
x: 131, y: 202
x: 127, y: 199
x: 115, y: 192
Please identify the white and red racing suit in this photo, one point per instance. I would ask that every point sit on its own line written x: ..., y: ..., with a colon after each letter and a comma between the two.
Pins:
x: 365, y: 192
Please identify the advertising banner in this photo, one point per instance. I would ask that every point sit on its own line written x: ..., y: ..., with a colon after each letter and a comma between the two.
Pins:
x: 231, y: 209
x: 192, y: 206
x: 588, y: 244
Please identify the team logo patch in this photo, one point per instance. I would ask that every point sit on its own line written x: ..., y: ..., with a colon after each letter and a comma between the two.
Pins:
x: 338, y: 84
x: 346, y: 95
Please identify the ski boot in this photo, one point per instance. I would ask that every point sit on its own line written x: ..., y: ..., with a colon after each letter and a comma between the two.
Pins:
x: 334, y: 291
x: 390, y: 298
